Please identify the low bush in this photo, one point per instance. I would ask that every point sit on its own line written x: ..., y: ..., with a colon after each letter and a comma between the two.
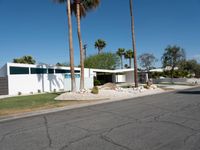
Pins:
x: 97, y: 82
x: 95, y: 90
x: 146, y: 86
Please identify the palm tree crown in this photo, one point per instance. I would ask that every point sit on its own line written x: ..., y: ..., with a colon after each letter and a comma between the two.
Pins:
x: 85, y: 6
x: 100, y: 45
x: 120, y: 53
x: 129, y: 55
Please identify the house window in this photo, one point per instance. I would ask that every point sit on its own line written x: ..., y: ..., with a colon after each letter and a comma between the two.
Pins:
x: 77, y: 71
x: 38, y: 71
x: 62, y: 71
x: 19, y: 70
x: 50, y: 71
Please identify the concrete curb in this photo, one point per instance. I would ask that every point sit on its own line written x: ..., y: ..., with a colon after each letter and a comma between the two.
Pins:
x: 53, y: 110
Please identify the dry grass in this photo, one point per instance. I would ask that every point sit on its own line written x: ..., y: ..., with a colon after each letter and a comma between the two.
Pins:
x: 22, y: 104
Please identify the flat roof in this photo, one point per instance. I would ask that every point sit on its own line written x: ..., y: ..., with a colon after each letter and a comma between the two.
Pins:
x: 113, y: 71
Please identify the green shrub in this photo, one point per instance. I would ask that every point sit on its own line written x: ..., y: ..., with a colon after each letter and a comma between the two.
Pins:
x: 97, y: 82
x: 95, y: 90
x: 102, y: 82
x: 102, y: 61
x: 146, y: 86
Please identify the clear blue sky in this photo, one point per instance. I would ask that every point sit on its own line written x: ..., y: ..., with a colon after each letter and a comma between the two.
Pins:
x: 39, y: 28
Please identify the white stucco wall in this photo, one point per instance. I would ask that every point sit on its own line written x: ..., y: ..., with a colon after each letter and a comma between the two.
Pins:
x: 129, y: 77
x: 44, y: 82
x: 32, y: 83
x: 3, y: 71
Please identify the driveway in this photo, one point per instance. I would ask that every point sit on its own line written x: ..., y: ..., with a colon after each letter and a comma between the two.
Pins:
x: 168, y: 121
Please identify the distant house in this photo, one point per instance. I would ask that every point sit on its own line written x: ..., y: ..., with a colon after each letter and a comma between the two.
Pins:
x: 25, y: 78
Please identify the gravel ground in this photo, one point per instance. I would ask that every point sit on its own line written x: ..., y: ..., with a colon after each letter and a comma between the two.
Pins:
x: 109, y: 94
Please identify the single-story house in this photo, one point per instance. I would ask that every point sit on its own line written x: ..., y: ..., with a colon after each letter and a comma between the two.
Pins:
x: 26, y: 78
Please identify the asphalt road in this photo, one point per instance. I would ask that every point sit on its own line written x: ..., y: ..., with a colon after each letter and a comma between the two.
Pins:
x: 169, y: 121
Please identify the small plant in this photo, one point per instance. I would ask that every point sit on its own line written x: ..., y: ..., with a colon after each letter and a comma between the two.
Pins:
x: 146, y: 87
x: 39, y: 91
x: 95, y: 90
x: 19, y: 93
x: 97, y: 82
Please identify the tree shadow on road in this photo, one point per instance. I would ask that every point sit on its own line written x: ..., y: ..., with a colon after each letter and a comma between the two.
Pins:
x: 188, y: 92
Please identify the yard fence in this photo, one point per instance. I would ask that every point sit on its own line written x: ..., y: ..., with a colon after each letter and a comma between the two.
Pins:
x: 178, y: 80
x: 3, y: 86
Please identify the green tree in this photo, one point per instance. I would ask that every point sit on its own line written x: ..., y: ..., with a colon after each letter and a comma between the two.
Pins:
x: 147, y: 61
x: 71, y: 49
x: 197, y: 71
x: 80, y: 9
x: 129, y: 55
x: 24, y: 60
x: 100, y: 45
x: 172, y: 56
x: 133, y: 43
x: 120, y: 53
x: 64, y: 64
x: 102, y: 61
x: 191, y: 66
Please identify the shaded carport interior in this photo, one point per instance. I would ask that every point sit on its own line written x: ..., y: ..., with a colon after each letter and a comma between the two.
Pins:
x: 105, y: 76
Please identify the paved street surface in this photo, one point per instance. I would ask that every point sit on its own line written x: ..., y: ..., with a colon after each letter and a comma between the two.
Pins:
x: 169, y: 121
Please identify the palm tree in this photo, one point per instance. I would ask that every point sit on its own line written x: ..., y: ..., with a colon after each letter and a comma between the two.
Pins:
x: 100, y: 45
x: 80, y: 8
x: 120, y: 53
x: 129, y: 55
x: 71, y: 49
x: 134, y: 44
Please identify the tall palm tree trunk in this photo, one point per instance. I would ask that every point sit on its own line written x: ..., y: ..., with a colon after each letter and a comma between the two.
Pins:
x: 121, y: 62
x: 130, y: 64
x: 73, y: 82
x: 172, y: 77
x: 99, y: 51
x: 80, y: 44
x: 134, y: 44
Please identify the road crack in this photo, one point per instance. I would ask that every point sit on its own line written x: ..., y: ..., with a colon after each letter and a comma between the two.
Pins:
x: 107, y: 139
x: 189, y: 136
x: 4, y: 137
x: 47, y: 131
x: 77, y: 140
x: 178, y: 124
